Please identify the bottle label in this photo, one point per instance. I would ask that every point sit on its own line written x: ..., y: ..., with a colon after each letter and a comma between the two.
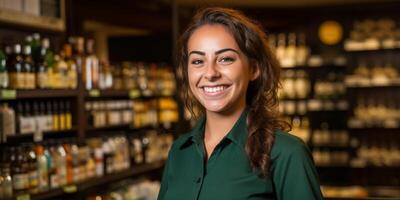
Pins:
x: 21, y: 80
x: 62, y: 121
x: 3, y: 80
x: 33, y: 179
x: 43, y: 178
x: 13, y: 78
x: 76, y: 172
x: 68, y: 121
x: 54, y: 181
x: 21, y: 181
x: 7, y: 187
x: 56, y: 122
x: 99, y: 169
x: 42, y: 80
x: 30, y: 80
x: 49, y: 123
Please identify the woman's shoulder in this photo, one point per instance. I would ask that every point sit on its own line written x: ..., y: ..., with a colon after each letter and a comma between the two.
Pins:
x: 286, y: 145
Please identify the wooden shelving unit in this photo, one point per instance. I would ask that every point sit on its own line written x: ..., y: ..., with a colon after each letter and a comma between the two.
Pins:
x: 133, y: 171
x: 33, y: 21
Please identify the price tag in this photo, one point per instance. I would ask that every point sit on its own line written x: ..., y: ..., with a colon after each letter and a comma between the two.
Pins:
x: 134, y: 94
x: 8, y: 94
x: 24, y: 197
x: 94, y: 93
x: 70, y: 189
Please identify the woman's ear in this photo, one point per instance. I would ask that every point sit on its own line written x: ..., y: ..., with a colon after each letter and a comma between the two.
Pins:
x: 254, y: 73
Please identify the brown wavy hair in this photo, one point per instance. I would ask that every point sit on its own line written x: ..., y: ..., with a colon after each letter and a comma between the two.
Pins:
x: 261, y: 97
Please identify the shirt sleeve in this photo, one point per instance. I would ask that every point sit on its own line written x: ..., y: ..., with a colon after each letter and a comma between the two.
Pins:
x: 294, y: 175
x: 164, y: 178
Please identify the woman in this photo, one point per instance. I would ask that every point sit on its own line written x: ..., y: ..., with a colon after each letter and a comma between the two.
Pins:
x: 238, y: 149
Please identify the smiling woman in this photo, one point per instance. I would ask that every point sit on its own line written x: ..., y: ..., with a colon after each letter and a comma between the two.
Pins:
x: 238, y: 149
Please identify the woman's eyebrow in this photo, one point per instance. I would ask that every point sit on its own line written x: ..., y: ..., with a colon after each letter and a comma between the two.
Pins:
x: 216, y: 53
x: 197, y: 52
x: 226, y: 49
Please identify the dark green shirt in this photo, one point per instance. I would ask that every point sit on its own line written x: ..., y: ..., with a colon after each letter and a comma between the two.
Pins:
x: 228, y: 175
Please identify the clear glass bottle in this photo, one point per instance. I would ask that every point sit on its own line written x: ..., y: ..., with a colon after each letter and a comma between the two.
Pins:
x: 42, y: 163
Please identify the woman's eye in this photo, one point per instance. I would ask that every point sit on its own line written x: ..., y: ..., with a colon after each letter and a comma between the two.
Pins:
x: 226, y: 60
x: 196, y: 62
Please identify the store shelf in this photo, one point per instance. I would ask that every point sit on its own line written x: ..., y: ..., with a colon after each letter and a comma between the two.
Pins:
x: 79, y: 187
x: 30, y: 136
x: 331, y: 146
x: 377, y: 130
x: 33, y: 21
x: 132, y: 94
x: 38, y: 93
x: 106, y: 128
x: 371, y: 86
x: 322, y: 67
x: 374, y: 50
x: 119, y: 128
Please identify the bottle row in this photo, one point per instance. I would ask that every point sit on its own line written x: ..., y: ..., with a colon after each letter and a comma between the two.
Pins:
x: 372, y: 34
x: 325, y: 137
x: 375, y: 73
x: 143, y: 189
x: 139, y: 113
x: 34, y: 116
x: 376, y: 153
x: 290, y: 49
x: 37, y: 8
x: 149, y: 79
x: 301, y: 107
x: 330, y: 158
x: 373, y: 110
x: 32, y: 168
x: 34, y: 65
x: 296, y: 84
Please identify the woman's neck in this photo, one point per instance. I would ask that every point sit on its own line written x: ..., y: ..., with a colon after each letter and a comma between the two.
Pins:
x: 218, y: 125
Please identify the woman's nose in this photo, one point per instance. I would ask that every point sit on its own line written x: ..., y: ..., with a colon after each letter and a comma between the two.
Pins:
x: 212, y: 72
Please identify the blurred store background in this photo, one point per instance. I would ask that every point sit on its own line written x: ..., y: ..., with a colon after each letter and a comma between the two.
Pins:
x: 89, y: 104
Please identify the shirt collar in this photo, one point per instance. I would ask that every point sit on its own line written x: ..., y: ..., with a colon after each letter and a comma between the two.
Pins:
x: 238, y: 134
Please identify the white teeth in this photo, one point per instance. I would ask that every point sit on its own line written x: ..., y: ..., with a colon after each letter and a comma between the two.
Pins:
x: 214, y: 89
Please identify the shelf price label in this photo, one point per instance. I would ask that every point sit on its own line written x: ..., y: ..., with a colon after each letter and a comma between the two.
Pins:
x: 24, y: 197
x: 70, y: 189
x: 94, y: 93
x: 134, y: 93
x: 8, y: 94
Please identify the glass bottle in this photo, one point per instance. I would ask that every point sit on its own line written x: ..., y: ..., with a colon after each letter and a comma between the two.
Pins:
x: 72, y: 72
x: 52, y: 158
x: 14, y: 67
x: 33, y: 169
x: 20, y: 176
x: 69, y: 163
x: 56, y: 116
x: 42, y: 163
x: 4, y: 82
x: 61, y: 163
x: 35, y: 46
x: 42, y: 79
x: 30, y: 82
x: 92, y: 66
x: 75, y: 162
x: 62, y: 116
x: 68, y: 115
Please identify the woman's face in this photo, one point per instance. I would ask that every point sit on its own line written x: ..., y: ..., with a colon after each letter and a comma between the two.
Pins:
x: 218, y: 71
